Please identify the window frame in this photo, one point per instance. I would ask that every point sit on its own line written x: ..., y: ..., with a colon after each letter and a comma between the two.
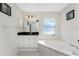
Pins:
x: 53, y: 29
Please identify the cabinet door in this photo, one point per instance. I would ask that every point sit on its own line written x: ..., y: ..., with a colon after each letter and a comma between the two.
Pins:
x: 35, y: 41
x: 28, y: 41
x: 32, y: 42
x: 21, y: 41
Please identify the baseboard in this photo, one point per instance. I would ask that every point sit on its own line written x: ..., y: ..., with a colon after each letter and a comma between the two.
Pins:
x: 27, y: 49
x: 14, y: 52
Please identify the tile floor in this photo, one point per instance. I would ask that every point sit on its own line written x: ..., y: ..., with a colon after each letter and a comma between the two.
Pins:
x: 29, y: 53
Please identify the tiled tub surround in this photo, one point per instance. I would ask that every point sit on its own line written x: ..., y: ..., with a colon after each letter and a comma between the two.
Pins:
x: 57, y: 48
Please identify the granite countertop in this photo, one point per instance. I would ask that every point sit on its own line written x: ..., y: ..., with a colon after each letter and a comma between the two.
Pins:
x: 28, y: 33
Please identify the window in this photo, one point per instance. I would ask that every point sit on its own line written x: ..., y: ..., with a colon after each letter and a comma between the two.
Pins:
x: 49, y: 26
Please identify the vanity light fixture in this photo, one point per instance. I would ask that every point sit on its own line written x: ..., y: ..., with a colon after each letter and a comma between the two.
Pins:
x: 30, y: 16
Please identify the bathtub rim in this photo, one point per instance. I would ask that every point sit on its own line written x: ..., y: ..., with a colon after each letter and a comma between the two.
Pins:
x: 69, y: 53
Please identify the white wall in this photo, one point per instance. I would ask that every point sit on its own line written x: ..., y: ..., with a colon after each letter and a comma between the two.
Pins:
x: 31, y: 41
x: 70, y: 29
x: 53, y: 16
x: 8, y: 31
x: 46, y: 15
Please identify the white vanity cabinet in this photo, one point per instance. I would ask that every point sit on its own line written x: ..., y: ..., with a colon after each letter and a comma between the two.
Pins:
x: 28, y: 41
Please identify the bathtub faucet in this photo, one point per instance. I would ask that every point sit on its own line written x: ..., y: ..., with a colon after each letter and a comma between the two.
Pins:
x: 74, y: 46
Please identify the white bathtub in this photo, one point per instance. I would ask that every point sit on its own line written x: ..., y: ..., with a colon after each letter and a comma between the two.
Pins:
x: 57, y: 48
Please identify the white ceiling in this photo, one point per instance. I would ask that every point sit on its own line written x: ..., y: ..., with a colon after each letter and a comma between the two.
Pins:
x: 41, y: 7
